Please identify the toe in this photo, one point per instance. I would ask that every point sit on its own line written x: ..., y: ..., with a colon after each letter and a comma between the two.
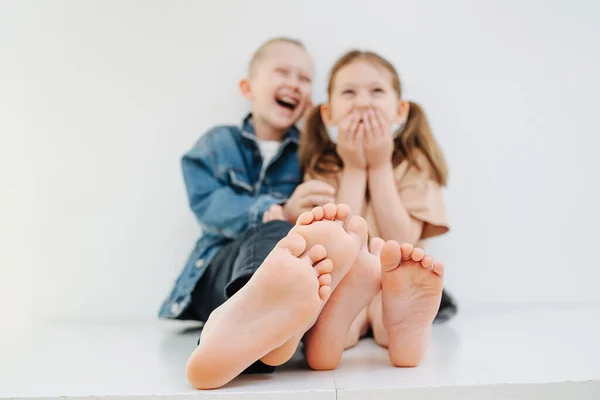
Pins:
x: 294, y: 243
x: 306, y: 218
x: 417, y: 254
x: 325, y: 280
x: 377, y: 244
x: 438, y: 268
x: 324, y: 267
x: 330, y: 210
x: 407, y: 250
x: 427, y: 262
x: 325, y: 292
x: 315, y: 254
x: 390, y: 256
x: 318, y: 213
x: 358, y: 226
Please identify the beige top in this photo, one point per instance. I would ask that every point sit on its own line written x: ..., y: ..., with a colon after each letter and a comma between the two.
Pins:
x: 419, y: 192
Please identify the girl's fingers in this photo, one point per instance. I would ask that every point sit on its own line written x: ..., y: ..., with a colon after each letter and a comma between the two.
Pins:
x: 353, y: 127
x: 369, y: 133
x: 375, y: 126
x: 348, y: 125
x: 360, y: 134
x: 378, y: 117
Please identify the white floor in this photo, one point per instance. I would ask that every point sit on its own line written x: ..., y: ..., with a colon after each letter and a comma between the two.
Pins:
x: 518, y: 353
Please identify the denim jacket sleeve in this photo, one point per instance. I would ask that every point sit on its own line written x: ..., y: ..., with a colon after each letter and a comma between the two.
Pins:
x: 219, y: 206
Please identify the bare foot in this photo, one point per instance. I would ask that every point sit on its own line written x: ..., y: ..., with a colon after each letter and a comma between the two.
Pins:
x: 275, y: 213
x: 342, y: 235
x: 411, y: 292
x: 280, y: 300
x: 326, y: 340
x: 283, y: 353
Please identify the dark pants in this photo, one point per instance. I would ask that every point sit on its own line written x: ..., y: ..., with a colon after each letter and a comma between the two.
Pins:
x: 232, y: 268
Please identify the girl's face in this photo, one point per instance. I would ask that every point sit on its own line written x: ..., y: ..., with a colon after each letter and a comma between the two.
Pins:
x: 360, y: 86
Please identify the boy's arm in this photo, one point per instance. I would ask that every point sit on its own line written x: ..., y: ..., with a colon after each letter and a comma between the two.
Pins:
x: 217, y: 206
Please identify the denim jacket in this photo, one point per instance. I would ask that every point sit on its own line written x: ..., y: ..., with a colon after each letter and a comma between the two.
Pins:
x: 228, y: 193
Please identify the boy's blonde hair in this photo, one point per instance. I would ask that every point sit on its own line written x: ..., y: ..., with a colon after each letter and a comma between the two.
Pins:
x: 319, y: 154
x: 260, y: 52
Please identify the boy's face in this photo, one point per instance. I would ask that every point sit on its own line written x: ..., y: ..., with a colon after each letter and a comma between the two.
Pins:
x: 280, y: 87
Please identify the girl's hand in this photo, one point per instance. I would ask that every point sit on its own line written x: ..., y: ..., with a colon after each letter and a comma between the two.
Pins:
x: 379, y: 142
x: 350, y: 144
x: 275, y: 213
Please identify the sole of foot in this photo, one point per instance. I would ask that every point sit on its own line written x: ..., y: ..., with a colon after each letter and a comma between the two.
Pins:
x: 284, y: 295
x: 412, y: 285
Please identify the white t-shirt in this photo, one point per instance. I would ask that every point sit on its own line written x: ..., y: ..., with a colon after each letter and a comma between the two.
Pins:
x: 268, y: 149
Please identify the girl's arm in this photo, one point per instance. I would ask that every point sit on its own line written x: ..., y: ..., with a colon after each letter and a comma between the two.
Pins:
x: 352, y: 188
x: 393, y: 218
x: 353, y: 179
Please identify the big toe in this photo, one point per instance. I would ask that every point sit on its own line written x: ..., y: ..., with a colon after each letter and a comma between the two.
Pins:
x: 390, y: 256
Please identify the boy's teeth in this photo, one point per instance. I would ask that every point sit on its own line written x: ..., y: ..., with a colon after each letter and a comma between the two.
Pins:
x: 288, y: 99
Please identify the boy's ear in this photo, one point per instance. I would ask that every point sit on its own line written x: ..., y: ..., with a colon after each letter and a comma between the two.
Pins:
x: 325, y: 114
x: 246, y: 88
x: 403, y: 110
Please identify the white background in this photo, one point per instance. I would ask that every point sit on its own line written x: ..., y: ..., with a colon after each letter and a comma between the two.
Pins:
x: 99, y: 100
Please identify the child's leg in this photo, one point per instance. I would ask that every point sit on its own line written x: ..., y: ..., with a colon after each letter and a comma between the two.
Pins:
x: 338, y: 326
x: 401, y: 316
x: 281, y: 298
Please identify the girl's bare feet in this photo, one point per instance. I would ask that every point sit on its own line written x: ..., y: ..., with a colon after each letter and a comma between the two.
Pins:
x: 280, y: 300
x: 411, y: 292
x: 327, y: 339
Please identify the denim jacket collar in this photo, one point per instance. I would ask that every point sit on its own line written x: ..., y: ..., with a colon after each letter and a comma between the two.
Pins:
x: 247, y: 129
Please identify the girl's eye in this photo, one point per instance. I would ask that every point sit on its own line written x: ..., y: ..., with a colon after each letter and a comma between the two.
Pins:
x: 304, y: 79
x: 348, y: 92
x: 378, y: 90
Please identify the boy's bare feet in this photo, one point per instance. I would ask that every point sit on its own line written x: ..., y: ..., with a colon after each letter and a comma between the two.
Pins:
x: 411, y: 292
x: 343, y: 237
x: 275, y: 213
x: 280, y: 300
x: 327, y: 339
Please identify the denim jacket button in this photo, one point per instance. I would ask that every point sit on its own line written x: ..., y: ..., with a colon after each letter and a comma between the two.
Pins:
x: 199, y: 263
x: 175, y: 308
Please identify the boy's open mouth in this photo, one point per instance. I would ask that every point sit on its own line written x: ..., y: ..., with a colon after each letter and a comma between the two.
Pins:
x: 287, y: 102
